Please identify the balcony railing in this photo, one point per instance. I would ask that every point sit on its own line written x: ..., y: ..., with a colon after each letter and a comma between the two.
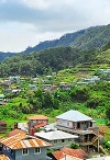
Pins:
x: 76, y: 131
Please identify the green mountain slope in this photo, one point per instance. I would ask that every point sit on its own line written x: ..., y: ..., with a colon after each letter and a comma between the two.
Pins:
x: 93, y: 37
x: 86, y: 39
x: 54, y: 59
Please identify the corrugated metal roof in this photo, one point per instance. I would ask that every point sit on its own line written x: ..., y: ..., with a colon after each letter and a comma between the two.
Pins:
x: 78, y: 153
x: 3, y: 157
x: 20, y: 141
x: 74, y: 116
x: 38, y: 117
x: 16, y: 131
x: 40, y: 125
x: 55, y: 135
x: 59, y: 155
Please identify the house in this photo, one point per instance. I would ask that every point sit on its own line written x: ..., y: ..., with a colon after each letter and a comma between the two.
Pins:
x: 61, y: 155
x: 32, y: 87
x: 57, y: 138
x: 37, y: 121
x: 3, y: 127
x: 104, y: 71
x: 78, y: 153
x: 14, y: 79
x: 15, y: 132
x: 6, y: 83
x: 24, y: 147
x: 49, y: 87
x: 90, y: 80
x: 2, y: 100
x: 3, y: 157
x: 65, y: 86
x: 2, y: 96
x: 16, y: 91
x: 79, y: 124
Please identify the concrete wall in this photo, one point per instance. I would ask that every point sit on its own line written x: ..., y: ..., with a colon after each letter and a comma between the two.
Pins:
x: 31, y: 155
x: 64, y: 123
x: 17, y: 154
x: 60, y: 143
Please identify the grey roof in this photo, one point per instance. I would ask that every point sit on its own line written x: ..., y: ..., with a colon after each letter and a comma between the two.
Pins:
x: 74, y: 116
x: 55, y: 135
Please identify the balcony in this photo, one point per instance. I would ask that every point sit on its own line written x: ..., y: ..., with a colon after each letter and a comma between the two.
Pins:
x: 76, y: 131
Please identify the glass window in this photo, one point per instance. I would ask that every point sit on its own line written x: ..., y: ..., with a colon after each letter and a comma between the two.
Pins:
x: 25, y: 151
x: 55, y: 141
x: 37, y: 150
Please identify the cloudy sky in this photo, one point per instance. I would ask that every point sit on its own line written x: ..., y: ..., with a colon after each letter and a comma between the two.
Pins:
x: 25, y: 23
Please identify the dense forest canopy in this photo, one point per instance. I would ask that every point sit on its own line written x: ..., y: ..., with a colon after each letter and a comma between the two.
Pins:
x: 54, y: 59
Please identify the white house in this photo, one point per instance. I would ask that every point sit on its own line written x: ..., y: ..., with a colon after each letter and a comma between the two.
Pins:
x: 77, y: 123
x: 57, y: 138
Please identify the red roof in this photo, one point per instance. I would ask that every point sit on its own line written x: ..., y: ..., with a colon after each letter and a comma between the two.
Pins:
x: 79, y: 153
x: 16, y: 131
x: 58, y: 154
x: 38, y: 117
x: 40, y: 125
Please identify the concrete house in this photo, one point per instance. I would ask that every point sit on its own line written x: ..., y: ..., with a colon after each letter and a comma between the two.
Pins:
x: 37, y: 120
x: 69, y: 154
x: 3, y: 127
x: 24, y: 147
x: 3, y: 157
x: 57, y: 138
x: 79, y: 124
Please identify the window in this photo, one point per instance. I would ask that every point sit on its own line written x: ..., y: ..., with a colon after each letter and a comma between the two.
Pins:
x: 25, y: 151
x: 63, y: 140
x: 37, y: 150
x: 55, y: 141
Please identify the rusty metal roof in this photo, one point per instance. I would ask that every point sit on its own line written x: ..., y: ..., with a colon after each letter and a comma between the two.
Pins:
x: 40, y: 125
x: 60, y: 155
x: 38, y: 117
x: 3, y: 157
x: 20, y: 141
x: 78, y: 153
x: 16, y: 131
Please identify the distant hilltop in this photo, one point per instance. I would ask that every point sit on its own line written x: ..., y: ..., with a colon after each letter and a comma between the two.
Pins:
x: 86, y: 39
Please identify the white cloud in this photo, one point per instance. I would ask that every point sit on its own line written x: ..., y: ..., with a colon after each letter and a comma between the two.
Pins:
x: 39, y: 4
x: 27, y: 22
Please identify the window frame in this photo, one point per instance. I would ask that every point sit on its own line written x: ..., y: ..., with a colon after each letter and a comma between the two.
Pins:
x: 26, y: 153
x: 35, y: 150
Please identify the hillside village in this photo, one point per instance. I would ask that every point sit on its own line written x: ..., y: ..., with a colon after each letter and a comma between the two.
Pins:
x: 54, y: 80
x: 72, y: 135
x: 37, y: 139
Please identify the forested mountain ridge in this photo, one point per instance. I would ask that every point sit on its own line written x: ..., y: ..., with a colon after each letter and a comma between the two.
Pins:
x: 54, y: 59
x: 86, y: 39
x: 6, y: 54
x: 93, y: 37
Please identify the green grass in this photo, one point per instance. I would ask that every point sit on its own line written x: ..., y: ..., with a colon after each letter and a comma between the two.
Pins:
x: 100, y: 121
